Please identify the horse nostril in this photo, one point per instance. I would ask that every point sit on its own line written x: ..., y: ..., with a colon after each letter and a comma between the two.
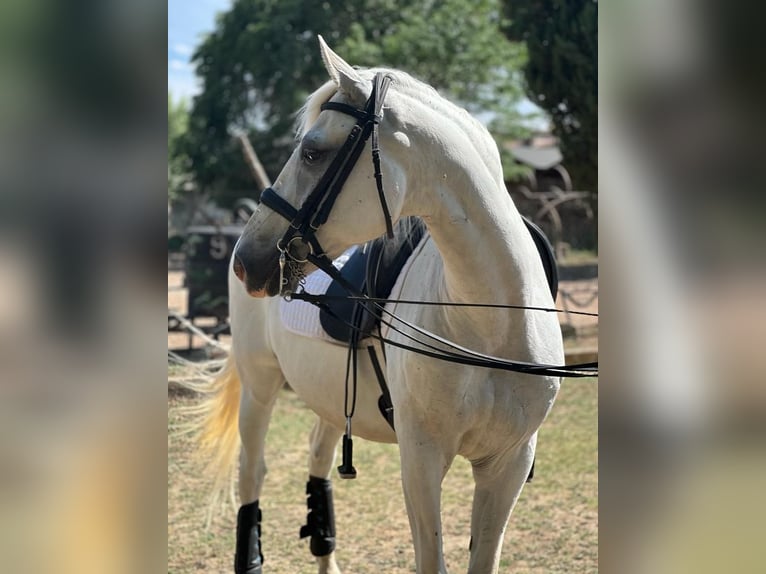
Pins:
x: 239, y: 269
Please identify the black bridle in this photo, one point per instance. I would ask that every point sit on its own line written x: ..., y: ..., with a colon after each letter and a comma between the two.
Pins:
x: 299, y: 244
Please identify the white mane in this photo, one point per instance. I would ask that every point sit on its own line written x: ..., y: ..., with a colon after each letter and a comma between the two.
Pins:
x: 309, y: 113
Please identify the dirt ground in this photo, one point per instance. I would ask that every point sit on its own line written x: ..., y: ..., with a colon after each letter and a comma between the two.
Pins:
x: 580, y: 332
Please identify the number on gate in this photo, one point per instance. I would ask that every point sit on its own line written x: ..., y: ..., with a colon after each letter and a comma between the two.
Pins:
x: 219, y: 247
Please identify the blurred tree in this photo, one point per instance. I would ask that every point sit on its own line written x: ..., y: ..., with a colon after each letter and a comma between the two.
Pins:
x: 178, y: 160
x: 561, y: 74
x: 262, y: 61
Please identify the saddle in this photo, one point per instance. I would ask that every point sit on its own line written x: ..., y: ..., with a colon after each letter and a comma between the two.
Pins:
x: 374, y: 268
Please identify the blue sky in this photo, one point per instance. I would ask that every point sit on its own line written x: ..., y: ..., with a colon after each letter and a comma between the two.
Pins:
x: 188, y: 22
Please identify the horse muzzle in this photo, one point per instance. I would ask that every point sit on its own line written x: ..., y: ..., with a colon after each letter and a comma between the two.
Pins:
x: 259, y: 275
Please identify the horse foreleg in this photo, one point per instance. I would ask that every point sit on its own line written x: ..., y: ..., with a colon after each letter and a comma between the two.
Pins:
x: 321, y: 517
x: 424, y: 465
x: 256, y: 405
x: 498, y: 485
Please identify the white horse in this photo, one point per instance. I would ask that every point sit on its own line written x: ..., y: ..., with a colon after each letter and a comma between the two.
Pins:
x: 441, y: 165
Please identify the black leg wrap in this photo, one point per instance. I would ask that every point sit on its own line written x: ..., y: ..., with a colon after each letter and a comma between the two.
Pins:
x: 321, y: 517
x: 248, y: 559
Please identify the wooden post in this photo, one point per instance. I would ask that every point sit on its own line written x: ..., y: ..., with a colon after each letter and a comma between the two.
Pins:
x: 261, y: 178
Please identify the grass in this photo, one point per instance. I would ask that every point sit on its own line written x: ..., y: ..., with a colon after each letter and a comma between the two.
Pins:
x: 553, y: 529
x: 578, y: 257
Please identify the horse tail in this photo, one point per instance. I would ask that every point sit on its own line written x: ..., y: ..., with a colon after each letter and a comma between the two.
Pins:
x: 219, y: 437
x: 216, y: 429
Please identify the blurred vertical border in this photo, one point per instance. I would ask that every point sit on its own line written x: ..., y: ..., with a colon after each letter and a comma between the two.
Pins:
x: 82, y: 212
x: 681, y: 176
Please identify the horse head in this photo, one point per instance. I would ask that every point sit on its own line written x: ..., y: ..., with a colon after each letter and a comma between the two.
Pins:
x: 299, y: 220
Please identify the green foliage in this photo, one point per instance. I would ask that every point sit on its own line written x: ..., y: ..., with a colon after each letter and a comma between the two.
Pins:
x: 262, y: 61
x: 561, y: 74
x: 178, y: 160
x: 455, y: 46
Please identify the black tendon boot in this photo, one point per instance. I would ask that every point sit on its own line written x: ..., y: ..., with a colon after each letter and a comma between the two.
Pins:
x: 321, y: 517
x: 248, y: 559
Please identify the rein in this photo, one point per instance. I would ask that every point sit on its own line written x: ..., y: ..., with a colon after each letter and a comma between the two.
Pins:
x: 458, y: 354
x: 315, y: 298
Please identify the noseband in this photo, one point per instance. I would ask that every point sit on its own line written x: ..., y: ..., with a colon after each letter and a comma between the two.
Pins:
x: 299, y: 243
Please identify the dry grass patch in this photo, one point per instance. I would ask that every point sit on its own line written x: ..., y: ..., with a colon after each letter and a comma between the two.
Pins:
x: 553, y: 529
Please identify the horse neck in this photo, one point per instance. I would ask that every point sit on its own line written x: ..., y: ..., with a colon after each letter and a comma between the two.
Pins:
x: 454, y: 182
x: 488, y: 254
x: 486, y: 250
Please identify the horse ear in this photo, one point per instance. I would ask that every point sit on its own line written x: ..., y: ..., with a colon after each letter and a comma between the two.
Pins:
x: 340, y: 71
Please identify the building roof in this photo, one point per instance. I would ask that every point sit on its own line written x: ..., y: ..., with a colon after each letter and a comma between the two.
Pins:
x: 537, y: 157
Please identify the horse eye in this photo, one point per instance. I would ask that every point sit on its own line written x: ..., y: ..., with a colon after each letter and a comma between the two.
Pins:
x: 311, y: 156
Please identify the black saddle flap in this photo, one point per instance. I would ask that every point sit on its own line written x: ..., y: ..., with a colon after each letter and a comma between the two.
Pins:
x: 372, y: 270
x: 545, y: 250
x: 354, y: 271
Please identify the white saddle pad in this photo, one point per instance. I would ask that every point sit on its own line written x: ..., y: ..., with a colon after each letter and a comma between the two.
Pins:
x: 302, y: 318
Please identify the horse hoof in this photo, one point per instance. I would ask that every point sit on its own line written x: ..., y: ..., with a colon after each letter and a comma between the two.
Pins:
x: 334, y: 570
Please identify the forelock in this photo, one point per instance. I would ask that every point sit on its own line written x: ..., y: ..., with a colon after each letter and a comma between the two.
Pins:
x: 309, y: 113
